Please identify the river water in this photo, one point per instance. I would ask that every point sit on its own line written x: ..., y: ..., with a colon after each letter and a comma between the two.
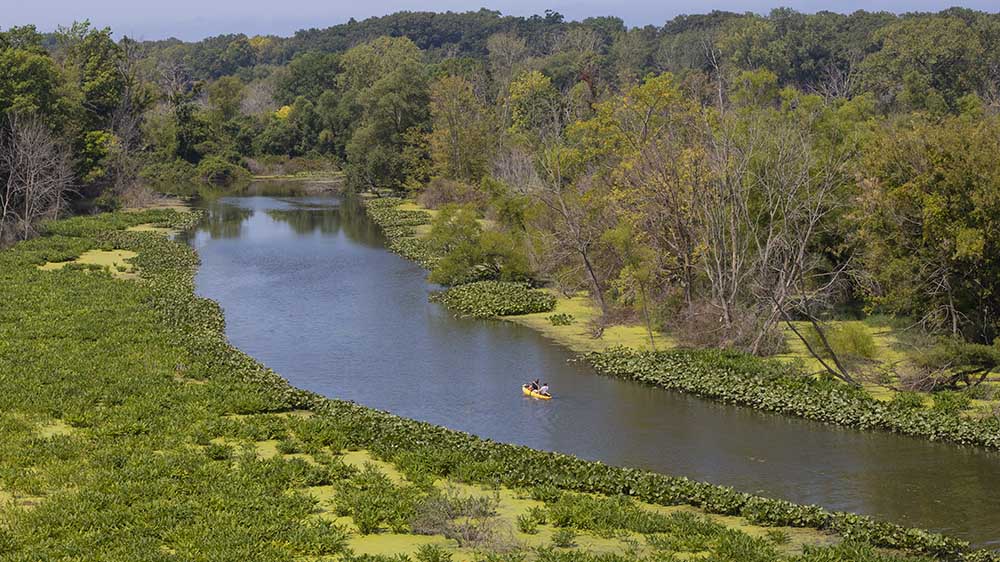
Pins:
x: 309, y: 289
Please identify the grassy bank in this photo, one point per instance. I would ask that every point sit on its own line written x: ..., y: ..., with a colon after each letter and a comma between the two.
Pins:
x: 131, y: 430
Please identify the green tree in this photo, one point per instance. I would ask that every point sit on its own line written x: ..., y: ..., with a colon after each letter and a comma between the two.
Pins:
x: 308, y: 75
x: 928, y: 221
x: 388, y: 83
x: 31, y: 84
x: 536, y: 110
x: 226, y: 96
x: 461, y: 133
x: 926, y: 63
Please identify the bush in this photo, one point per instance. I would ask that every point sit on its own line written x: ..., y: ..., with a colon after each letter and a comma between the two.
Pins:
x: 217, y: 171
x: 561, y: 319
x: 372, y: 500
x: 432, y: 553
x: 218, y: 451
x: 605, y: 516
x: 169, y: 175
x: 107, y: 202
x: 907, y: 400
x: 469, y: 520
x: 851, y: 341
x: 440, y: 192
x: 527, y: 524
x: 564, y: 538
x: 700, y: 326
x: 487, y: 299
x: 469, y: 254
x: 951, y: 402
x: 778, y: 536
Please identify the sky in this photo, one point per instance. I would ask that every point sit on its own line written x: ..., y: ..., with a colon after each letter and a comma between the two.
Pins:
x: 195, y: 19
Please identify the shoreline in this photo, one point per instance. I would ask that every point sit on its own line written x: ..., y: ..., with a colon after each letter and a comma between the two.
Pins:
x: 402, y: 228
x: 198, y: 325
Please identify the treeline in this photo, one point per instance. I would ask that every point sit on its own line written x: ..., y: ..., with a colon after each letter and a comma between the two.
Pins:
x: 725, y: 176
x: 71, y: 113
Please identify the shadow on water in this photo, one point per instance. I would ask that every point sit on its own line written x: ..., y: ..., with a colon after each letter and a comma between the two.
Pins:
x: 309, y: 290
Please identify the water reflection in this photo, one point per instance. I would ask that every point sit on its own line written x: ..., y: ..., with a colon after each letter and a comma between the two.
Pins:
x: 308, y: 289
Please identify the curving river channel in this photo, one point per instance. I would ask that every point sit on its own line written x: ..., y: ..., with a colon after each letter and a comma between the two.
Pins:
x: 309, y: 289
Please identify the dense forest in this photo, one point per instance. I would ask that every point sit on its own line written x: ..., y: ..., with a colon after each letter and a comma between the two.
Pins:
x: 724, y: 177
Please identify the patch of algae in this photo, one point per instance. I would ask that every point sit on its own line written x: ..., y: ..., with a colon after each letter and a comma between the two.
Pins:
x: 54, y: 428
x: 578, y: 336
x: 114, y: 261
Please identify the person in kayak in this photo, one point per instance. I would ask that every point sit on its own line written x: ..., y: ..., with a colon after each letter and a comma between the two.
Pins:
x: 544, y: 389
x: 534, y: 386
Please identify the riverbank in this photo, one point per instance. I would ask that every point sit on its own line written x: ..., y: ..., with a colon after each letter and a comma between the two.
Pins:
x: 781, y: 385
x: 144, y: 399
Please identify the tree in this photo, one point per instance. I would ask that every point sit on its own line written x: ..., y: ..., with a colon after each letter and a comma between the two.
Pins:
x: 387, y: 81
x: 927, y: 220
x: 925, y: 63
x: 649, y: 142
x: 772, y: 191
x: 31, y: 80
x: 308, y: 75
x: 226, y: 96
x: 94, y: 61
x: 461, y: 131
x: 536, y: 110
x: 36, y: 175
x: 576, y: 214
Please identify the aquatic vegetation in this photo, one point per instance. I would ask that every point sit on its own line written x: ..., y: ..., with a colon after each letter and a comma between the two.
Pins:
x: 487, y: 299
x: 564, y: 538
x: 398, y: 227
x: 778, y: 387
x: 171, y: 441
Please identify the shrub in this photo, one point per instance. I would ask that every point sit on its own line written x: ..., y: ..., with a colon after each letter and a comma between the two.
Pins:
x: 907, y: 400
x: 107, y: 202
x: 169, y: 175
x: 469, y: 254
x: 564, y: 538
x: 217, y: 171
x: 372, y: 500
x: 561, y: 319
x: 527, y: 524
x: 851, y: 341
x: 432, y: 553
x: 469, y: 520
x: 218, y: 451
x: 538, y: 514
x: 605, y: 516
x: 289, y: 446
x: 734, y: 546
x: 700, y: 326
x: 487, y: 299
x: 440, y: 192
x: 778, y: 536
x: 951, y: 402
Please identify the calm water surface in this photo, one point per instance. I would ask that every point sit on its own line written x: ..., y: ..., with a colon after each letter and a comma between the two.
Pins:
x: 309, y: 289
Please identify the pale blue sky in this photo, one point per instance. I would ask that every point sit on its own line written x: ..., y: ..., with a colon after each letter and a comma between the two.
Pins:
x: 194, y: 19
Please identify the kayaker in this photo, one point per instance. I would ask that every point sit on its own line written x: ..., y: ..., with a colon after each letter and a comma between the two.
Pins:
x: 534, y: 385
x: 544, y: 389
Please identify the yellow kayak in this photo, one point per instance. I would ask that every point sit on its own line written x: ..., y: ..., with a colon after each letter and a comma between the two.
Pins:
x: 534, y: 393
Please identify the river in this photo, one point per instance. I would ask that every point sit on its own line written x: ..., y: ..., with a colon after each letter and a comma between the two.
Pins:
x: 309, y: 289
